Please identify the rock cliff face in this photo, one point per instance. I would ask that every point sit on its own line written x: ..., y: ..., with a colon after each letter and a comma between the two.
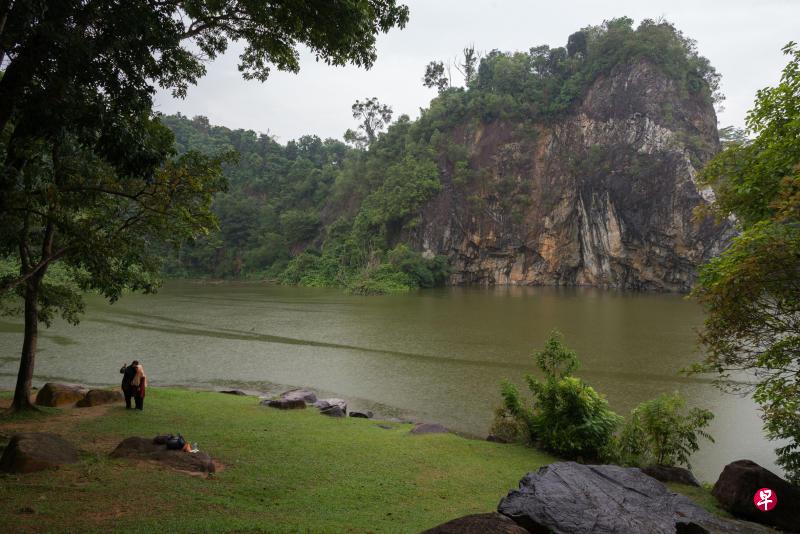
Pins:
x: 603, y: 196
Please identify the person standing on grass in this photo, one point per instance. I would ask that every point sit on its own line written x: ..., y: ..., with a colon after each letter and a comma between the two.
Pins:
x: 138, y: 386
x: 128, y: 372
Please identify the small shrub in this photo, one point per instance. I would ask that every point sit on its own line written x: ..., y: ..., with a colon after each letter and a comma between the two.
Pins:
x: 383, y: 280
x: 567, y: 417
x: 661, y: 431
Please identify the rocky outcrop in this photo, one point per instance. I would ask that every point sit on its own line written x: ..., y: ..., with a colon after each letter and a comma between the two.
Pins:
x: 96, y: 397
x: 741, y: 481
x: 478, y: 524
x: 36, y: 451
x: 145, y: 449
x: 603, y: 196
x: 55, y: 395
x: 568, y: 497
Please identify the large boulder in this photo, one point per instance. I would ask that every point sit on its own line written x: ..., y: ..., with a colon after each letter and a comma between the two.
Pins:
x: 54, y: 395
x: 666, y: 473
x: 739, y: 483
x: 478, y: 524
x: 36, y: 451
x: 570, y: 498
x: 145, y: 449
x: 96, y: 397
x: 285, y: 404
x: 306, y: 395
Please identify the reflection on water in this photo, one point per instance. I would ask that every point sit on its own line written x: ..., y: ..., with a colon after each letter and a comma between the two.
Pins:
x: 435, y: 355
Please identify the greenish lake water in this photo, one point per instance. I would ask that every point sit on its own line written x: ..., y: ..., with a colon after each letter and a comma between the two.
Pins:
x: 435, y: 355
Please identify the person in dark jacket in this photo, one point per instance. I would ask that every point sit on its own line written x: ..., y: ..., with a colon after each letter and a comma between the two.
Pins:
x: 128, y: 372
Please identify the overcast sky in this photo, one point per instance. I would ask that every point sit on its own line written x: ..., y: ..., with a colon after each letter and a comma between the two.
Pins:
x: 743, y: 40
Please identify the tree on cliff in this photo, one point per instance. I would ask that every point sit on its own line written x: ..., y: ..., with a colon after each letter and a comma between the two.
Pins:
x: 435, y: 77
x: 372, y: 117
x: 751, y: 292
x: 87, y: 175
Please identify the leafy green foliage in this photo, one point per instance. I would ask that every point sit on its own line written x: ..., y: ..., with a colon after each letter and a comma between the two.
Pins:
x: 660, y: 431
x: 544, y: 82
x: 572, y: 420
x: 751, y: 292
x: 567, y: 417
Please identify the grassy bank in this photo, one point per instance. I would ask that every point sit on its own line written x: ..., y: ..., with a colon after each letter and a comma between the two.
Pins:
x: 292, y: 471
x: 284, y: 472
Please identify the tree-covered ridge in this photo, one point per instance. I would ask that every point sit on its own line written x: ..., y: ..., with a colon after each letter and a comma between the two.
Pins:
x: 319, y: 213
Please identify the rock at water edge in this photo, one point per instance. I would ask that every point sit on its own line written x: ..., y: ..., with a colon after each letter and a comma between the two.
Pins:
x: 54, y: 395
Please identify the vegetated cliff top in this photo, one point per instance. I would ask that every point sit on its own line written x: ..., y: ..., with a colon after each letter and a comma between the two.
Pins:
x: 319, y: 213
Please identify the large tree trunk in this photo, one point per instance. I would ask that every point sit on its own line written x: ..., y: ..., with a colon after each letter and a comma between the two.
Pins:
x: 22, y: 393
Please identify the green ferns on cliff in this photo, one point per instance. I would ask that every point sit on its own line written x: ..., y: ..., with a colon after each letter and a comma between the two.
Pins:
x: 320, y: 213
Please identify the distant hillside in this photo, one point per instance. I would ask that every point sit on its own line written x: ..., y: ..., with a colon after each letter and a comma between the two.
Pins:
x: 556, y: 166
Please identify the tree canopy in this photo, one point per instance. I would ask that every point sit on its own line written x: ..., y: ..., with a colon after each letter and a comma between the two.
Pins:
x: 751, y: 292
x: 89, y: 176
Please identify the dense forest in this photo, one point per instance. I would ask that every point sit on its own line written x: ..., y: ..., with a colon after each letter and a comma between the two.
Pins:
x: 328, y: 213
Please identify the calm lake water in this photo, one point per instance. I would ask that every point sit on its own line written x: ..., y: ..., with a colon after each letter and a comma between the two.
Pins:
x: 435, y: 355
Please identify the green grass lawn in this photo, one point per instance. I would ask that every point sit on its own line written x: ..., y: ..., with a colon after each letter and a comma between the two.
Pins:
x: 293, y: 471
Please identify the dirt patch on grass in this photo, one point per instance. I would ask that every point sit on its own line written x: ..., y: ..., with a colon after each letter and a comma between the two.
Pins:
x: 63, y: 422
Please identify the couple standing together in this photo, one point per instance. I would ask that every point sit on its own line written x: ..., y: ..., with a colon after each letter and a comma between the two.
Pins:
x: 134, y: 383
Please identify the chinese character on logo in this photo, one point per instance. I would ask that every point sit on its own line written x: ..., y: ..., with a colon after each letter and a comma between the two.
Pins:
x: 765, y: 499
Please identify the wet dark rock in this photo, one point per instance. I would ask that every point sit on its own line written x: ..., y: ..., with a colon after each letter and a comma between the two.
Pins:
x: 54, y: 395
x: 363, y: 415
x: 144, y: 449
x: 738, y: 484
x: 429, y: 428
x: 96, y: 397
x: 326, y: 404
x: 665, y: 473
x: 568, y: 497
x: 285, y: 404
x: 36, y: 451
x: 306, y: 395
x: 333, y: 411
x: 478, y: 524
x: 238, y: 392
